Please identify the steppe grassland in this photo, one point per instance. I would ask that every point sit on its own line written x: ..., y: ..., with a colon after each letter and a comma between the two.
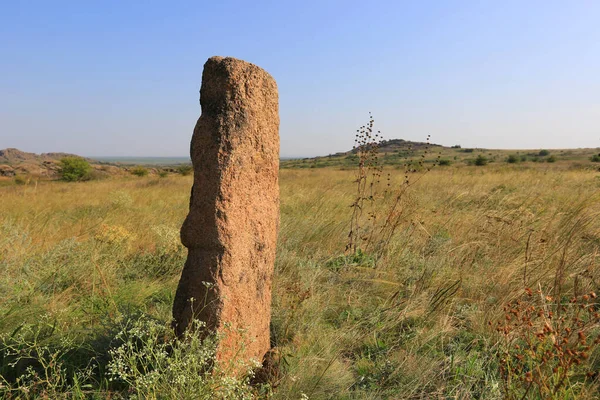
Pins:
x: 411, y: 321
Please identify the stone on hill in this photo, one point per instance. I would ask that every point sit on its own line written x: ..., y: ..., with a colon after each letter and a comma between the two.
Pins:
x: 231, y: 228
x: 12, y: 155
x: 7, y: 170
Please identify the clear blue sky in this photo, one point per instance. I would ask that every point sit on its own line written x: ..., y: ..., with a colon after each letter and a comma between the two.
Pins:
x: 122, y: 77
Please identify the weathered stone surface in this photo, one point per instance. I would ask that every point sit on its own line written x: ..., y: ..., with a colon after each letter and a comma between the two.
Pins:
x: 231, y: 228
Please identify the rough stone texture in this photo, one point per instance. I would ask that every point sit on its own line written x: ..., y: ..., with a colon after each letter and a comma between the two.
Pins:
x: 231, y: 228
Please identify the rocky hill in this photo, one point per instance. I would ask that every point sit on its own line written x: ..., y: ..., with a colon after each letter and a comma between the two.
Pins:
x: 15, y: 156
x: 16, y: 162
x: 393, y: 145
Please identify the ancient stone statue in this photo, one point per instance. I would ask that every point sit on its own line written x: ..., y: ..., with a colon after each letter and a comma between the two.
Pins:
x: 231, y: 228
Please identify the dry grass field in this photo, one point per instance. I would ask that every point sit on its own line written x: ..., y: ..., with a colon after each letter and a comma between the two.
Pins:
x: 485, y: 290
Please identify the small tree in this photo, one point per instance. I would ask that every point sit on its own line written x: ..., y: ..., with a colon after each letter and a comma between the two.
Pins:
x: 74, y: 169
x: 512, y: 159
x: 481, y: 160
x: 544, y: 153
x: 551, y: 159
x: 596, y: 158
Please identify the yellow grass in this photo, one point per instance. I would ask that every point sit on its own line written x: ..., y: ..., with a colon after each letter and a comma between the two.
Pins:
x: 408, y: 322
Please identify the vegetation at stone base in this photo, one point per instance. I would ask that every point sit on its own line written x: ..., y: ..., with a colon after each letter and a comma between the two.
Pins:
x: 74, y: 169
x: 82, y: 263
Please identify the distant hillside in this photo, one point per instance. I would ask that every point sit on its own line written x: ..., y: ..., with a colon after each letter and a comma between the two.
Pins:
x: 394, y: 145
x: 16, y: 162
x: 15, y: 156
x: 390, y: 146
x: 396, y: 152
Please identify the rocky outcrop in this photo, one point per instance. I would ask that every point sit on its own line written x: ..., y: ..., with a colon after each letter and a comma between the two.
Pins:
x: 16, y: 156
x: 231, y: 228
x: 46, y: 165
x: 7, y: 170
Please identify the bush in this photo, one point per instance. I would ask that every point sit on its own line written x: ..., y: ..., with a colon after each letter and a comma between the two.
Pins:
x: 149, y: 365
x: 512, y: 159
x: 544, y: 153
x: 595, y: 158
x: 185, y: 169
x: 163, y: 174
x: 139, y: 171
x: 468, y: 150
x: 20, y: 180
x: 74, y: 169
x: 444, y: 162
x: 34, y: 366
x: 481, y: 160
x: 551, y: 159
x: 456, y: 146
x: 144, y: 361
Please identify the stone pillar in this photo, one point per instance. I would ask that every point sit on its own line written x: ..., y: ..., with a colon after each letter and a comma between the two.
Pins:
x: 231, y: 228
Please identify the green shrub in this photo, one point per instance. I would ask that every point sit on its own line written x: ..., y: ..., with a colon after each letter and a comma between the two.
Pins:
x: 512, y: 159
x: 544, y: 153
x: 551, y: 159
x: 468, y: 150
x: 595, y: 158
x: 481, y: 160
x: 74, y: 169
x: 444, y: 162
x: 163, y: 174
x: 139, y: 171
x: 185, y: 169
x: 20, y: 180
